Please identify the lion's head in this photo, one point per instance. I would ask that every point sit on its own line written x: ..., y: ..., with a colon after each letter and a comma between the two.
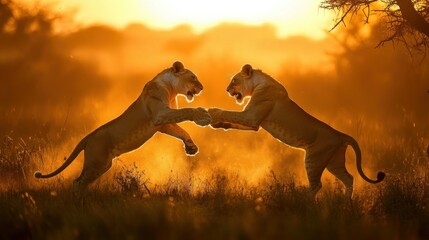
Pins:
x: 241, y: 85
x: 185, y: 82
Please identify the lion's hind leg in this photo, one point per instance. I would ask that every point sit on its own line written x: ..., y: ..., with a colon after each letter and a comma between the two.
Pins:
x: 315, y: 163
x: 96, y: 163
x: 337, y: 166
x: 314, y: 168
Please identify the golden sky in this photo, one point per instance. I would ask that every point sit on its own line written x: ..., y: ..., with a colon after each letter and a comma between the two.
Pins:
x: 290, y: 17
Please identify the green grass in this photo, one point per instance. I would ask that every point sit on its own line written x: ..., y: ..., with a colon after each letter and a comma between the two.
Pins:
x: 219, y: 207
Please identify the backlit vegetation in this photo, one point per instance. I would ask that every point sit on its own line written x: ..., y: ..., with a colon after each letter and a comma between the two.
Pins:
x: 57, y: 87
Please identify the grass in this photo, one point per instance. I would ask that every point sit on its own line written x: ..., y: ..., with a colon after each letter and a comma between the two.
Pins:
x: 219, y: 207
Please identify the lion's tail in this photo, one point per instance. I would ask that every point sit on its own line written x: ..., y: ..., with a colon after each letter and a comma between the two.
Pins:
x: 80, y: 146
x: 352, y: 142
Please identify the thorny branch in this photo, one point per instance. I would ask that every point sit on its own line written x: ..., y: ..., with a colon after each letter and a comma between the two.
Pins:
x: 405, y: 21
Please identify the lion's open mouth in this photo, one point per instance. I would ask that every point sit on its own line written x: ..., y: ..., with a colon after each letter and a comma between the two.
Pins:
x: 238, y: 96
x: 190, y: 94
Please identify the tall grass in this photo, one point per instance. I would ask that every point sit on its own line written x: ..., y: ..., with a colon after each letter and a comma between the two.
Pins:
x: 216, y: 207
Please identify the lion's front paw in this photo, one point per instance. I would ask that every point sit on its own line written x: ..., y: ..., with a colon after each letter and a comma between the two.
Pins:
x: 216, y: 119
x: 202, y: 117
x: 214, y: 112
x: 191, y: 149
x: 223, y: 125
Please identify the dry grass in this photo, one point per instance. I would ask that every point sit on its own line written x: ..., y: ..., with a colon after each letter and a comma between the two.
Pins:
x: 221, y: 206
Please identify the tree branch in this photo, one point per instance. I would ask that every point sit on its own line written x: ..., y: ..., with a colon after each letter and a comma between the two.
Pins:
x: 352, y: 8
x: 342, y: 18
x: 413, y: 18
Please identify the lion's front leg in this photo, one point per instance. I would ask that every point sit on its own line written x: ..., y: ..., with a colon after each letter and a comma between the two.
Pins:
x: 229, y: 119
x: 180, y: 133
x: 228, y: 125
x: 169, y: 116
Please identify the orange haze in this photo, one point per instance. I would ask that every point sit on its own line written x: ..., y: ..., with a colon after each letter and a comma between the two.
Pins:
x: 61, y: 86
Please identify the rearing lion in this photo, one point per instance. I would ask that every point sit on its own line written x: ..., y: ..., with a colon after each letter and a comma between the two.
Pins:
x: 153, y: 111
x: 271, y: 108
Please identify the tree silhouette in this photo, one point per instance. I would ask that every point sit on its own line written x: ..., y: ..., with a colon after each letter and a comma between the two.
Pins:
x: 406, y: 21
x: 39, y: 82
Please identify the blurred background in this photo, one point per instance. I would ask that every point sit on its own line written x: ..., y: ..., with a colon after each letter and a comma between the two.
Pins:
x: 67, y: 67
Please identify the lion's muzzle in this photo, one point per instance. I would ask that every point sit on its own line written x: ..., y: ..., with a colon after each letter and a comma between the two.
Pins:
x: 194, y: 91
x: 231, y: 91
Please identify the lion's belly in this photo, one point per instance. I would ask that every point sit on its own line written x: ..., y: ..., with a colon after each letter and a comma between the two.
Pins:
x: 133, y: 139
x: 290, y: 136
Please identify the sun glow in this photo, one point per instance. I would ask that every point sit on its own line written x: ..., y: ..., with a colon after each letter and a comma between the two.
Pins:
x: 290, y: 17
x: 205, y: 13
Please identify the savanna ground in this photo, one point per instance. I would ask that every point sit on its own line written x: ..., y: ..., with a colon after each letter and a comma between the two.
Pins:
x: 129, y: 206
x: 56, y: 87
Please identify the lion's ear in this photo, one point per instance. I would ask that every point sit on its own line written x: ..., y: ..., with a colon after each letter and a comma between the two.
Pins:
x: 178, y: 67
x: 247, y: 70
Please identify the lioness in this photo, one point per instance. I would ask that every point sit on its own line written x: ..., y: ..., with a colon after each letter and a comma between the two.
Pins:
x: 153, y: 111
x: 271, y: 108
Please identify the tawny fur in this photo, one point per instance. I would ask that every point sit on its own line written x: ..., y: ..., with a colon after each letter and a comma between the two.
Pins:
x: 271, y: 108
x: 153, y: 111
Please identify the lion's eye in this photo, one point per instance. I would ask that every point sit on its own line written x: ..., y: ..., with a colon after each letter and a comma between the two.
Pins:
x: 234, y: 80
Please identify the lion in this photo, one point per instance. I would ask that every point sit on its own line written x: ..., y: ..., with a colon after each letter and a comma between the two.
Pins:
x: 153, y: 111
x: 271, y: 108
